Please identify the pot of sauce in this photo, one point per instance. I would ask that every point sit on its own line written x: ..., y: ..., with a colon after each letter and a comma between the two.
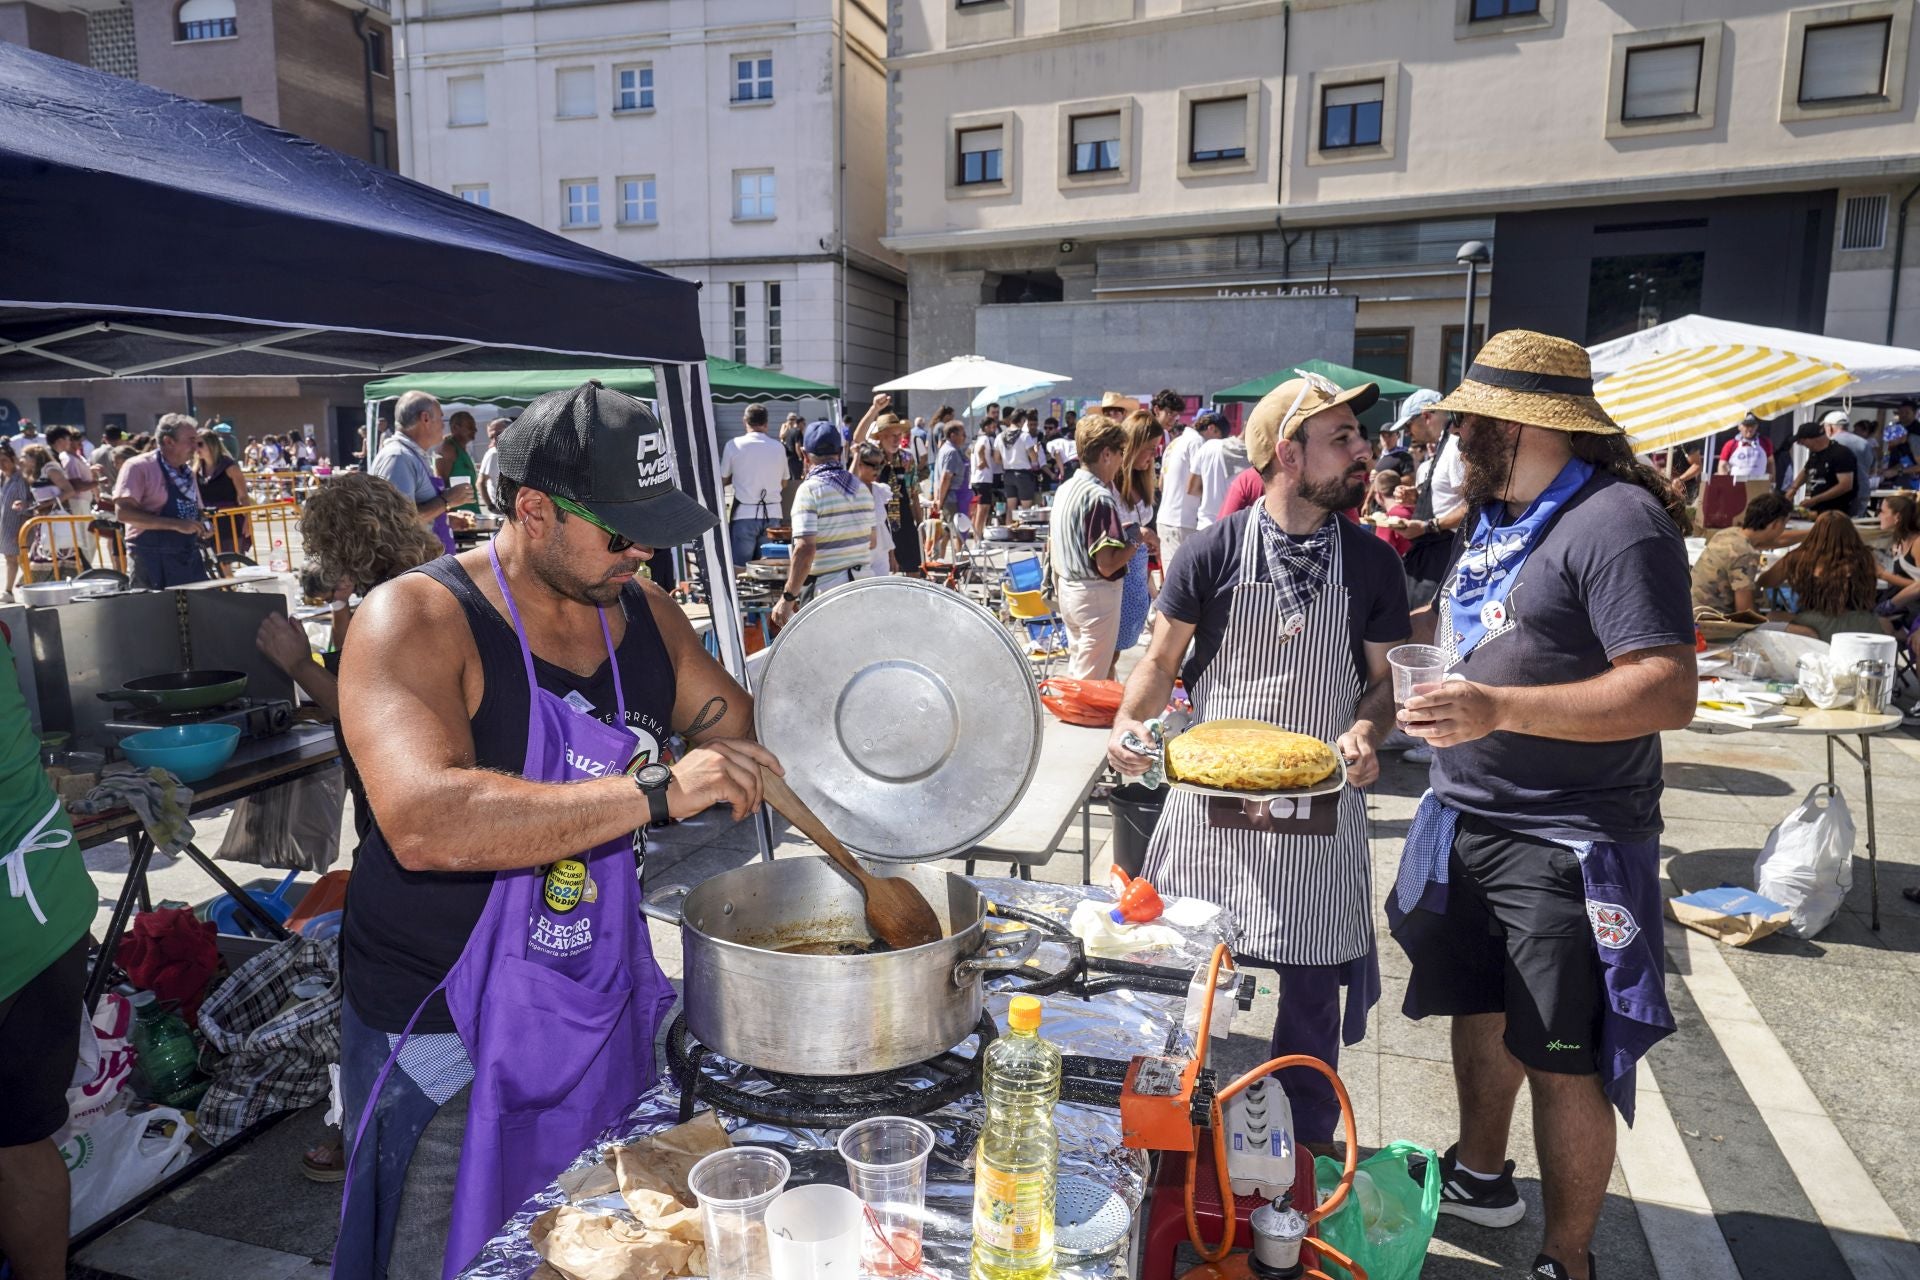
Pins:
x: 782, y: 974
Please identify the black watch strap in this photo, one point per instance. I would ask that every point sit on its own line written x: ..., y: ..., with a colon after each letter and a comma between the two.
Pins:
x: 652, y: 781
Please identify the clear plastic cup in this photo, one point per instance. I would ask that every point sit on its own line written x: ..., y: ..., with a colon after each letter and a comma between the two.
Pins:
x: 814, y: 1233
x: 1415, y: 665
x: 734, y: 1188
x: 887, y: 1164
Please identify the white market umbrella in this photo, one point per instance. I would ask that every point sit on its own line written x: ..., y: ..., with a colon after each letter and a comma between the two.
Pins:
x: 1688, y: 395
x: 971, y: 373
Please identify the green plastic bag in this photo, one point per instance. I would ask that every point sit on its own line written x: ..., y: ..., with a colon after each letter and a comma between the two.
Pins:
x: 1385, y: 1222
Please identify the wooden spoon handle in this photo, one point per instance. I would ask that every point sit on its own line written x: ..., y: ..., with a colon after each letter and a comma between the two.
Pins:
x: 795, y: 810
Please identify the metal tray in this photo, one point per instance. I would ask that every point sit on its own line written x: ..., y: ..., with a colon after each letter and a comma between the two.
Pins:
x: 1332, y: 784
x: 905, y: 714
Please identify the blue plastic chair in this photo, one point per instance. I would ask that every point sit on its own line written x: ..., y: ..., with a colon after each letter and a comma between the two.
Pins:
x: 1025, y: 574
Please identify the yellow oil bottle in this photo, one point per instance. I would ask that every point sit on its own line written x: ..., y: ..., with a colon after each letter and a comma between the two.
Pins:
x: 1019, y: 1154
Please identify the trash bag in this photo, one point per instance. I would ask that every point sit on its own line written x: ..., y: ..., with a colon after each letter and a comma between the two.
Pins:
x: 277, y: 1039
x: 1807, y: 863
x: 293, y: 826
x: 1387, y: 1221
x: 1093, y: 703
x: 119, y: 1156
x: 106, y: 1062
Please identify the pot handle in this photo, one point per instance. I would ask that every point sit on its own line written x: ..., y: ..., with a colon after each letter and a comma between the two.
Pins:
x: 983, y: 961
x: 665, y: 903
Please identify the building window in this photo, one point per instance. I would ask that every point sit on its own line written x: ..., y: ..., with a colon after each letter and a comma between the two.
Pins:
x: 1663, y: 81
x: 206, y: 20
x: 1863, y: 223
x: 752, y: 195
x: 1350, y: 115
x: 980, y: 153
x: 739, y: 299
x: 476, y: 193
x: 633, y: 88
x: 773, y: 324
x: 639, y: 201
x: 467, y: 100
x: 1387, y: 352
x: 1490, y: 10
x: 376, y: 51
x: 580, y: 202
x: 1219, y: 131
x: 1845, y: 60
x: 1450, y: 354
x: 381, y: 144
x: 753, y: 78
x: 1096, y: 143
x: 573, y: 93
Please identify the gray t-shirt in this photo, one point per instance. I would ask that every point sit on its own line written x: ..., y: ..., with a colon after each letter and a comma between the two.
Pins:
x: 404, y: 465
x: 1608, y: 577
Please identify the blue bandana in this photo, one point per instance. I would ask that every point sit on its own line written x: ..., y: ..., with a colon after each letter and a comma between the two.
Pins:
x: 1490, y: 565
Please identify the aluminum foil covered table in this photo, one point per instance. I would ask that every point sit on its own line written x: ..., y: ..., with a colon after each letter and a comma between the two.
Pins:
x: 1117, y: 1025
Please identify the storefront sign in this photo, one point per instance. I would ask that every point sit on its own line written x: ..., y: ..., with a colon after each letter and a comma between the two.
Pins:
x: 1282, y: 291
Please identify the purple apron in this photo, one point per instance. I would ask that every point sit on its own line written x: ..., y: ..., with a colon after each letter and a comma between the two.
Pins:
x: 556, y: 996
x: 443, y: 530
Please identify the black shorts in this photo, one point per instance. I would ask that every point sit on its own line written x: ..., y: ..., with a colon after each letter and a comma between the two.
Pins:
x: 1515, y: 940
x: 986, y: 494
x: 40, y: 1027
x: 1020, y: 484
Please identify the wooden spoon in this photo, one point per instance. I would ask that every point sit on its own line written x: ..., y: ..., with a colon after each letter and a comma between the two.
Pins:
x: 897, y: 912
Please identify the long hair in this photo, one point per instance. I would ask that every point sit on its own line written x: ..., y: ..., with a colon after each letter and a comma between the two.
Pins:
x: 1135, y: 484
x: 1908, y: 512
x: 358, y: 528
x: 215, y: 441
x: 1613, y: 455
x: 1832, y: 571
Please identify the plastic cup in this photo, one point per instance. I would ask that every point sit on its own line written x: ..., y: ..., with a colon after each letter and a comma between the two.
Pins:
x: 734, y: 1188
x: 814, y: 1233
x: 1415, y: 665
x: 887, y: 1164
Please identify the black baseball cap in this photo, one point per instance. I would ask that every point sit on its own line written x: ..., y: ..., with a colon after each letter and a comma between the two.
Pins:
x: 1809, y: 431
x: 604, y: 451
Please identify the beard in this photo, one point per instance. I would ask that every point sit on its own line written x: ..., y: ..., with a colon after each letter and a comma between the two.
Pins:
x: 1488, y: 455
x: 1333, y: 495
x: 560, y: 577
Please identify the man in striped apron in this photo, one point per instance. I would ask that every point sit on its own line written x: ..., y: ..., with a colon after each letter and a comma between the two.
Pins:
x: 1290, y: 611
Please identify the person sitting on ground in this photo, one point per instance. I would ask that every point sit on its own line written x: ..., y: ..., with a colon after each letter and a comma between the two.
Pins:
x: 1832, y: 576
x: 1725, y: 573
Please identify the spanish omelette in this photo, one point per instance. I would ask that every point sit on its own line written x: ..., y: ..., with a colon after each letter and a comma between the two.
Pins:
x: 1247, y: 755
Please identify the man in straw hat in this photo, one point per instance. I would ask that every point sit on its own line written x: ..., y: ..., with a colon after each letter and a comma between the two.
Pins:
x: 1290, y: 611
x: 1527, y: 896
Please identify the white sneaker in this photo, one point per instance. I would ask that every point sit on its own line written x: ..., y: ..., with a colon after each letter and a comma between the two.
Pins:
x: 1418, y: 755
x: 1913, y: 714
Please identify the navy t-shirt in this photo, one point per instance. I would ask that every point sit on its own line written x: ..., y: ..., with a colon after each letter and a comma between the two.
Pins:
x: 1824, y: 470
x: 1200, y: 582
x: 1608, y: 577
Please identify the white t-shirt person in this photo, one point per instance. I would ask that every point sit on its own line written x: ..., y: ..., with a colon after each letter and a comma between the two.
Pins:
x: 1179, y: 509
x: 755, y: 464
x: 1215, y: 464
x: 882, y: 547
x: 1019, y: 451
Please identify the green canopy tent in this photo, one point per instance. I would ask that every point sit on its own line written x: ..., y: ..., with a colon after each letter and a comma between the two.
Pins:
x: 732, y: 383
x: 1339, y: 374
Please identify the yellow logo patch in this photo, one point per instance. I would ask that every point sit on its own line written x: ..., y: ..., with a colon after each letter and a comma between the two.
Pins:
x: 566, y: 882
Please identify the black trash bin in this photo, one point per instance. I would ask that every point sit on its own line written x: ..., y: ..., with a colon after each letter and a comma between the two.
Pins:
x: 1136, y: 812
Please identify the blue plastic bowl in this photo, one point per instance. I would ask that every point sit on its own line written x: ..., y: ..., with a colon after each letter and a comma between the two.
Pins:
x: 189, y: 752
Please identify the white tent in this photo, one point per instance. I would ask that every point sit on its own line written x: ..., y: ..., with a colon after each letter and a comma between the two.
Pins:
x: 1877, y: 370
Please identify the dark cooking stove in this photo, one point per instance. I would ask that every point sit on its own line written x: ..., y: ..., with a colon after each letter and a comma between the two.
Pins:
x: 831, y: 1102
x: 257, y: 718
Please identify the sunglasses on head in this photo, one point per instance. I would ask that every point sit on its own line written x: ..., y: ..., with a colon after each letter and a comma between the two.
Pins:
x: 616, y: 542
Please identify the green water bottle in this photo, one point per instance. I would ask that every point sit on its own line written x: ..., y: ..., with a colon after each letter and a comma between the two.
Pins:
x: 1014, y: 1169
x: 163, y: 1048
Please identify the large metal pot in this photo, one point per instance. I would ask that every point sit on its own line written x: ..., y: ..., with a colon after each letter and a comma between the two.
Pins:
x: 827, y: 1014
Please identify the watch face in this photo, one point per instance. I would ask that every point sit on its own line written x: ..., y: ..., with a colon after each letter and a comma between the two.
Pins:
x: 653, y: 775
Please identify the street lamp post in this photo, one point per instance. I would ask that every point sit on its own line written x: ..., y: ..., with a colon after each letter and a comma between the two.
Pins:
x: 1473, y: 254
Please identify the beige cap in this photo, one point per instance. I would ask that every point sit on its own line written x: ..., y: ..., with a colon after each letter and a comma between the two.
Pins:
x: 1114, y: 400
x: 1282, y: 410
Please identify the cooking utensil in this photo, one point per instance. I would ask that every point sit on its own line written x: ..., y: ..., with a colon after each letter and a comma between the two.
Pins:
x: 896, y: 912
x: 44, y: 594
x: 190, y: 752
x: 915, y: 711
x: 829, y: 1015
x: 181, y: 690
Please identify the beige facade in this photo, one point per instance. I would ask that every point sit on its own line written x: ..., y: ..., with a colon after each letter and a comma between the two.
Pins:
x: 1354, y: 144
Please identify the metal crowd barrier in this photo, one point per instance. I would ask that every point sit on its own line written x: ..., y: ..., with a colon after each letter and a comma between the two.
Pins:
x: 66, y: 534
x: 263, y: 533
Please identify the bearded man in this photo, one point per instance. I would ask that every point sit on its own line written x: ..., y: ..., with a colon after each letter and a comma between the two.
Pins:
x: 1528, y: 895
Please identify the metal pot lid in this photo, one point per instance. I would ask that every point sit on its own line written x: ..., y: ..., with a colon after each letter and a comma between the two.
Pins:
x: 906, y: 717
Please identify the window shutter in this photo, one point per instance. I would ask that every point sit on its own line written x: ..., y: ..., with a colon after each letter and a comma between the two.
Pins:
x: 1220, y: 125
x: 576, y: 91
x: 1662, y: 81
x: 980, y: 139
x: 1347, y: 95
x: 467, y: 100
x: 1100, y: 128
x: 1845, y: 60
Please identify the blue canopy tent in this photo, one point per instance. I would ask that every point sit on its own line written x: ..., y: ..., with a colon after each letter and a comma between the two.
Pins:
x: 146, y: 234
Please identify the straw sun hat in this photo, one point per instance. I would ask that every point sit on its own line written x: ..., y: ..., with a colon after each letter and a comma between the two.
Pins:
x: 1534, y: 379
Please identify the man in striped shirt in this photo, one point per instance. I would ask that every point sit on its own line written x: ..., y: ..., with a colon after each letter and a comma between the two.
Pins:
x: 833, y: 525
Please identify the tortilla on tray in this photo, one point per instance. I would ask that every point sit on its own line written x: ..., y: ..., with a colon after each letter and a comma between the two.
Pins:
x: 1247, y: 755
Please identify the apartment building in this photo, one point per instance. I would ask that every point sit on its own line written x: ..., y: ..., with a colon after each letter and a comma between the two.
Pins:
x: 1622, y: 167
x: 737, y: 143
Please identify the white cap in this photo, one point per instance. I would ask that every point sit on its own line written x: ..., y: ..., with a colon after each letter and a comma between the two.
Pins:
x: 1413, y: 406
x: 1835, y: 417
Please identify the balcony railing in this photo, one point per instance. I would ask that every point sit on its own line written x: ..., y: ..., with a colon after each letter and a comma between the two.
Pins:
x: 210, y: 29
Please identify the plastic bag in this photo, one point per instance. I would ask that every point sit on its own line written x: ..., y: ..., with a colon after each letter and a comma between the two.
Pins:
x: 106, y: 1061
x: 1807, y: 863
x: 277, y: 1043
x: 1386, y: 1223
x: 295, y: 826
x: 119, y: 1156
x: 1093, y: 703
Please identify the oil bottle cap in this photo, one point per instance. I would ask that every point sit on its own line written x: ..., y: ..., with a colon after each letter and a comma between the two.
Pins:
x: 1024, y: 1013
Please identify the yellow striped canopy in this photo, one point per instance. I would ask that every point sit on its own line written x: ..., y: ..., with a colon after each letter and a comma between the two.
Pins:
x: 1688, y: 395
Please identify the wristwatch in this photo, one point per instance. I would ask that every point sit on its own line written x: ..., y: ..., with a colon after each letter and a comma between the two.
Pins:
x: 788, y: 595
x: 651, y: 780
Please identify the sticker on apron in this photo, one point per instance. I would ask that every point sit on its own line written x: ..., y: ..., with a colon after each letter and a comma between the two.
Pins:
x: 566, y: 884
x: 1300, y: 816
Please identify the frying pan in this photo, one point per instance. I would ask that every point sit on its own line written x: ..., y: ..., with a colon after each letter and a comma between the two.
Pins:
x: 181, y: 690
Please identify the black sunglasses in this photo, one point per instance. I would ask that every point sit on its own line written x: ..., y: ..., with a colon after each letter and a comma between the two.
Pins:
x: 616, y: 542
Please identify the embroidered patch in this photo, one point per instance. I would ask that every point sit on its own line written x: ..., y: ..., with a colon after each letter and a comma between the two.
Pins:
x: 1613, y: 926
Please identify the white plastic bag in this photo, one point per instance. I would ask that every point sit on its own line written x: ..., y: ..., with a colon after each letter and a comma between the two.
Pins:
x: 119, y: 1156
x: 1807, y: 864
x: 106, y: 1061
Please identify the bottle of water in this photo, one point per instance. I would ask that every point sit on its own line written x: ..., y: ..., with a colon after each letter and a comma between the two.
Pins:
x: 1014, y: 1170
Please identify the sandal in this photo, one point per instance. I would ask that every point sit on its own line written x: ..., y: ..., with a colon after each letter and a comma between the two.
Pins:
x: 325, y: 1161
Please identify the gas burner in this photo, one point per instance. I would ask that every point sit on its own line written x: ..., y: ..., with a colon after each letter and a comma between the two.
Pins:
x: 256, y: 717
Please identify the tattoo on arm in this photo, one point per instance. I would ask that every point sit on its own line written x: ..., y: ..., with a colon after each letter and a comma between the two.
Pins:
x: 711, y: 714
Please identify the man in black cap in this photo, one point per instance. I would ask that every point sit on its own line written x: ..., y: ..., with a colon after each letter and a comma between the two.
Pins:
x: 508, y: 709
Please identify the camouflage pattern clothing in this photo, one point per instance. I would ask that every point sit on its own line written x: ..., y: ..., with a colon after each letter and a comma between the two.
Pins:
x: 1730, y: 563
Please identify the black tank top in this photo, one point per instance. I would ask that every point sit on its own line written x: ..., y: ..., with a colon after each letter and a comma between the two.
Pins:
x: 403, y: 929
